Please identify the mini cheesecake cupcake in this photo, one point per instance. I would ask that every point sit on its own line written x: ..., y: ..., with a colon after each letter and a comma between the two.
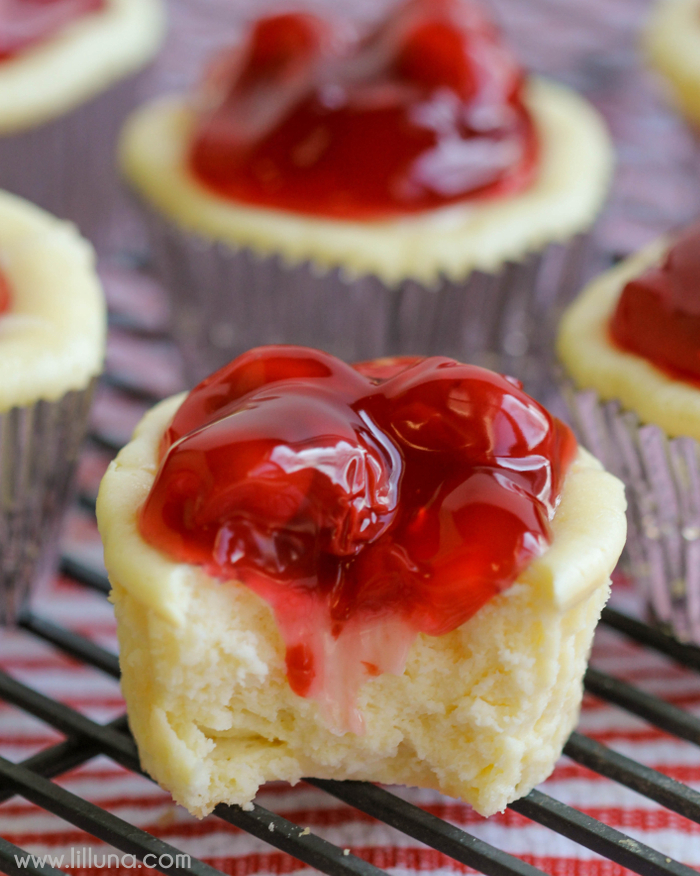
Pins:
x: 631, y: 347
x: 52, y: 334
x: 66, y: 84
x: 672, y: 45
x: 390, y: 192
x: 388, y: 572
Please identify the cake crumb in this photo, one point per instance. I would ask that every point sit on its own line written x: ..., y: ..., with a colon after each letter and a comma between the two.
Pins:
x: 305, y: 832
x: 346, y: 851
x: 271, y: 827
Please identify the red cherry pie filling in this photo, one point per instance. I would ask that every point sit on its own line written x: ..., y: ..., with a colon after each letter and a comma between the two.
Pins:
x: 364, y: 504
x: 425, y: 111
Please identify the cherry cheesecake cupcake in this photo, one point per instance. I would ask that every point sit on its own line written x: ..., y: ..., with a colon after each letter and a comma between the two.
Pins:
x: 392, y: 191
x: 66, y: 83
x: 672, y: 46
x: 630, y: 346
x: 388, y: 572
x: 52, y: 336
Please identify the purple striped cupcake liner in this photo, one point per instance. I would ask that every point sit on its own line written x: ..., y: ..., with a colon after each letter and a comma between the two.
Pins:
x: 39, y: 445
x: 68, y: 166
x: 662, y: 477
x: 225, y: 301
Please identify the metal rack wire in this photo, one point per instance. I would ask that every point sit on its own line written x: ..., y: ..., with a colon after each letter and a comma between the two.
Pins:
x: 85, y: 739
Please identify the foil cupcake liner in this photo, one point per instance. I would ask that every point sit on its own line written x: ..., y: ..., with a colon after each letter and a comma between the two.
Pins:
x: 225, y: 301
x: 68, y: 167
x: 662, y: 478
x: 39, y: 446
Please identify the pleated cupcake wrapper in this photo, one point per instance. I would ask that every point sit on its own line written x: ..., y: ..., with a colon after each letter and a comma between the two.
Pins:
x: 662, y: 479
x: 39, y: 445
x: 68, y: 167
x: 225, y: 301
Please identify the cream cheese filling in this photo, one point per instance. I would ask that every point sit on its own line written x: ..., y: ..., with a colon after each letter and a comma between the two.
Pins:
x: 83, y: 59
x: 672, y: 45
x: 53, y: 336
x: 588, y: 527
x: 594, y: 362
x: 575, y: 168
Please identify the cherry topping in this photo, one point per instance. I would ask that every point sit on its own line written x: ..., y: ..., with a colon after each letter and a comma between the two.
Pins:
x: 425, y: 111
x: 658, y: 313
x: 26, y: 22
x: 364, y: 504
x: 5, y: 294
x: 433, y: 55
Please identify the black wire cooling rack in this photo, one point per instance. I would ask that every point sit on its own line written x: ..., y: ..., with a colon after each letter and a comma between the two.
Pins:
x: 86, y: 739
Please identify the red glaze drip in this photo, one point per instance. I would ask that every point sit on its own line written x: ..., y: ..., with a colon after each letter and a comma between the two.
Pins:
x: 5, y: 295
x: 365, y: 505
x: 658, y: 313
x: 24, y: 23
x: 425, y: 111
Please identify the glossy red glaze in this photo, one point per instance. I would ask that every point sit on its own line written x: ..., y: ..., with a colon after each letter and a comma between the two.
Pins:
x: 397, y: 499
x: 24, y: 23
x: 5, y: 294
x: 425, y: 111
x: 658, y: 313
